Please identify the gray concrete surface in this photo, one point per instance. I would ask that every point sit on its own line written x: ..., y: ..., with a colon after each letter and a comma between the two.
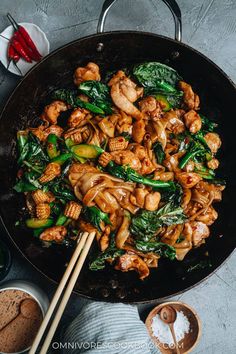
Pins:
x: 210, y: 27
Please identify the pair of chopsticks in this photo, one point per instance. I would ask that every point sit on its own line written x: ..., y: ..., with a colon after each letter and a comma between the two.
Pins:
x: 72, y: 271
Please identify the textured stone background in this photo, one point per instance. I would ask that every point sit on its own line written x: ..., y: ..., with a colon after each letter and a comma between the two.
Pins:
x: 210, y: 27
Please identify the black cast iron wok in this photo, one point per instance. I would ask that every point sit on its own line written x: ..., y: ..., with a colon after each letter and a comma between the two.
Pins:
x: 113, y: 50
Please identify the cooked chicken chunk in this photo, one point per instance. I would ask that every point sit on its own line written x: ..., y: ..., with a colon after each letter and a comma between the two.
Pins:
x: 191, y: 99
x: 124, y: 92
x: 89, y: 72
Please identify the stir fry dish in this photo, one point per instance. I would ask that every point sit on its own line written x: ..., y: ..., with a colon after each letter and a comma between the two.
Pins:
x: 128, y: 156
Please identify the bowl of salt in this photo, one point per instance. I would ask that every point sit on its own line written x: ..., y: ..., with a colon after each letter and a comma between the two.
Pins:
x: 187, y: 328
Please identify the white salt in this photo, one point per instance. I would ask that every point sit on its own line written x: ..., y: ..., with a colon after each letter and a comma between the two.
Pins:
x: 162, y: 331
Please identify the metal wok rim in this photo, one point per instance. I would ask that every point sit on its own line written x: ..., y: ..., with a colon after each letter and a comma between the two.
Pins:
x: 100, y: 36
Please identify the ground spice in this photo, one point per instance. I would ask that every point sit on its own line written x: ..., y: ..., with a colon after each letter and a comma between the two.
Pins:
x: 19, y: 334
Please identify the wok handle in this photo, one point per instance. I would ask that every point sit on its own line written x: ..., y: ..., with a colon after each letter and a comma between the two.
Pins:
x: 172, y: 4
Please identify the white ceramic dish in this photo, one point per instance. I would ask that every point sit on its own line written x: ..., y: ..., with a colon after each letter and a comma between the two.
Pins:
x: 38, y: 37
x: 31, y: 289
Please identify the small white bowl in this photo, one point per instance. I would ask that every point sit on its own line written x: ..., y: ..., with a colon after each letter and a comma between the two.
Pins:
x: 38, y: 37
x: 34, y: 291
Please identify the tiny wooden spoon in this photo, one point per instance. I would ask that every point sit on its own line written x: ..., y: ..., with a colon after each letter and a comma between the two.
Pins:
x: 168, y: 315
x: 29, y: 308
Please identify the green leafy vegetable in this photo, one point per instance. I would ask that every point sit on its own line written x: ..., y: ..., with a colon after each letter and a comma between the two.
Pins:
x: 23, y: 186
x: 71, y: 98
x: 160, y: 248
x: 23, y: 147
x: 159, y: 152
x: 145, y: 224
x: 98, y: 93
x: 32, y: 154
x: 207, y: 124
x: 61, y: 220
x: 157, y: 75
x: 110, y: 253
x: 205, y: 173
x: 128, y: 174
x: 60, y: 187
x: 94, y: 216
x: 197, y: 150
x: 172, y: 194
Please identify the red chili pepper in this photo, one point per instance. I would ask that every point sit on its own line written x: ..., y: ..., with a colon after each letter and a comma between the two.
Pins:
x: 28, y: 51
x: 26, y: 37
x: 29, y: 42
x: 12, y: 53
x: 20, y: 50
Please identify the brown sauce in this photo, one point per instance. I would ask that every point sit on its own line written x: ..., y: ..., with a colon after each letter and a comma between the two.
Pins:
x: 16, y: 331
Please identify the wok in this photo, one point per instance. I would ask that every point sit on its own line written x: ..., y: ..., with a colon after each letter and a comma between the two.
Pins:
x: 113, y: 50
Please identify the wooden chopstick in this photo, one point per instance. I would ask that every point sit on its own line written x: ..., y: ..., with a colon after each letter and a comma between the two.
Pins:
x: 84, y: 244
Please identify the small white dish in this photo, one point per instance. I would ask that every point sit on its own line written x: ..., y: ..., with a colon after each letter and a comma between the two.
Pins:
x: 38, y: 37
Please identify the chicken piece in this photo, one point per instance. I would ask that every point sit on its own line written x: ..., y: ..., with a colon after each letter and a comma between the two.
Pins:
x: 190, y: 98
x: 117, y: 143
x: 39, y: 132
x: 105, y: 239
x: 147, y: 166
x: 52, y: 111
x: 89, y: 72
x: 188, y: 179
x: 174, y: 122
x: 138, y: 130
x: 104, y: 159
x: 130, y: 261
x: 124, y: 92
x: 43, y: 210
x: 107, y: 127
x: 152, y: 201
x: 151, y: 108
x: 213, y: 164
x: 78, y: 118
x: 200, y: 232
x: 86, y: 227
x: 208, y: 217
x: 193, y: 121
x: 126, y: 157
x: 145, y: 199
x: 163, y: 176
x: 72, y: 210
x: 213, y: 141
x: 53, y: 129
x: 52, y: 170
x: 54, y: 234
x: 139, y: 150
x: 138, y: 197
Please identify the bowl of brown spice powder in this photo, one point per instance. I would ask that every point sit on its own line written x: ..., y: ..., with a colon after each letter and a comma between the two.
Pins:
x: 22, y: 308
